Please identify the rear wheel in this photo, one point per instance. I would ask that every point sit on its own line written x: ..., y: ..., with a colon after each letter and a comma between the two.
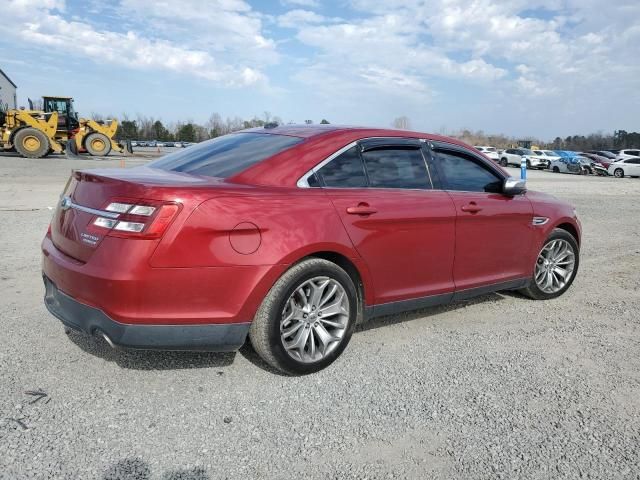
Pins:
x: 97, y: 144
x: 618, y: 173
x: 307, y: 318
x: 31, y: 143
x: 556, y: 266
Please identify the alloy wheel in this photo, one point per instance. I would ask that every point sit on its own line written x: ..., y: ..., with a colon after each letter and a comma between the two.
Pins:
x: 555, y: 266
x: 315, y: 319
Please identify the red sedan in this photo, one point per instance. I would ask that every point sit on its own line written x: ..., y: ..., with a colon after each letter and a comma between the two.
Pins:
x: 289, y: 235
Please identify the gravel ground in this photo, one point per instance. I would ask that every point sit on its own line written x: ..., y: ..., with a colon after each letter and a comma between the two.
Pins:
x: 497, y: 387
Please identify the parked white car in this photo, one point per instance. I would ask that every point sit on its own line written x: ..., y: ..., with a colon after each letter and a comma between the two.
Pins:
x: 628, y: 153
x: 490, y: 152
x: 513, y: 156
x: 629, y: 168
x: 548, y: 154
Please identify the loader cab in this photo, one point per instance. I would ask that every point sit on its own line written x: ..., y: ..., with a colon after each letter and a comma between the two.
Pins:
x: 67, y: 117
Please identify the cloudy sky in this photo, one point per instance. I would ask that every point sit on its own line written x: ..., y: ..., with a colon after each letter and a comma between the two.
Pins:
x: 520, y: 67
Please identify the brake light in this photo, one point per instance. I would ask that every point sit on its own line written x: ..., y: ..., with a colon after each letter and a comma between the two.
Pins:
x: 135, y: 219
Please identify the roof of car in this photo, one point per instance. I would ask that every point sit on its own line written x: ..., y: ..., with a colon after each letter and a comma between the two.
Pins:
x: 326, y: 130
x: 320, y: 141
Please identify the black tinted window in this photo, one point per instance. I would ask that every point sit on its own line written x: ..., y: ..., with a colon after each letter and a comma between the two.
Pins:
x: 464, y: 174
x: 396, y: 168
x: 344, y: 171
x: 227, y: 155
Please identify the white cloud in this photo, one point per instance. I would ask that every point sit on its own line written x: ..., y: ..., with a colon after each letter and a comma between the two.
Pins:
x: 298, y: 18
x: 301, y: 3
x: 529, y: 48
x: 237, y: 62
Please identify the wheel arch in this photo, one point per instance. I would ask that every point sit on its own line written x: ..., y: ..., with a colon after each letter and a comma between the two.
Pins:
x: 570, y: 229
x: 352, y: 270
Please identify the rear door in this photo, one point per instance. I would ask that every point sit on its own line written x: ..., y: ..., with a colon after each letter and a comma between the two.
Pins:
x: 493, y: 231
x: 402, y: 228
x: 632, y: 167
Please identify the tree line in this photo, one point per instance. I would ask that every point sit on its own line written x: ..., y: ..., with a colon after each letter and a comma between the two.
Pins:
x: 619, y: 139
x: 150, y: 128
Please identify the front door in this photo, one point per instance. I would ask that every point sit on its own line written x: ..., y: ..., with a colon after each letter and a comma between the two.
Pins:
x: 494, y: 232
x: 402, y: 228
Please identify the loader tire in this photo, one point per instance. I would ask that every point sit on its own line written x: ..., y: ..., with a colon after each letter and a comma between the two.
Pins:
x: 97, y: 144
x: 31, y: 143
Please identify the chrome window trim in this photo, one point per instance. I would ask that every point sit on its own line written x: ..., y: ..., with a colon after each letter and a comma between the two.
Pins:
x: 304, y: 183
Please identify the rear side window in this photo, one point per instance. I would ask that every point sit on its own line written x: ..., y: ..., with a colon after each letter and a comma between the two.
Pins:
x: 396, y: 168
x: 464, y: 174
x: 344, y: 171
x: 227, y: 155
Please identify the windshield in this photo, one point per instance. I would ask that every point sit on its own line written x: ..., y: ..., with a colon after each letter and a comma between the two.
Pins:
x: 550, y: 153
x: 526, y: 151
x: 490, y: 149
x: 227, y: 155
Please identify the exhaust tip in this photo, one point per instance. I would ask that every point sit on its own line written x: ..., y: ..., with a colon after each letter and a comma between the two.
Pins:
x: 106, y: 338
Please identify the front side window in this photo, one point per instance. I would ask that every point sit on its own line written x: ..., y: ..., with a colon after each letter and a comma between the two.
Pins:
x: 227, y: 155
x: 462, y: 173
x: 396, y: 168
x: 344, y: 171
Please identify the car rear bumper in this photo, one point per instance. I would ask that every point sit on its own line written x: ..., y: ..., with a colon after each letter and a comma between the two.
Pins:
x: 122, y: 284
x: 93, y: 321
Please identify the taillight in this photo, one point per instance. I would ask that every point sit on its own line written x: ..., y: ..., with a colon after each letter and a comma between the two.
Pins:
x: 135, y: 219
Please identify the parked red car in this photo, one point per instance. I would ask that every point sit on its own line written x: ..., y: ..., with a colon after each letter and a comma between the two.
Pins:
x: 290, y: 235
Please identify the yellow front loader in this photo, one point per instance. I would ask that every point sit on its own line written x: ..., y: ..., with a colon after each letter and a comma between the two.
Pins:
x: 35, y: 133
x: 32, y: 133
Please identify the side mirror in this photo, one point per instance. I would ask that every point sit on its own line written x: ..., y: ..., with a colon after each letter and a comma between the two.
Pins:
x: 513, y: 186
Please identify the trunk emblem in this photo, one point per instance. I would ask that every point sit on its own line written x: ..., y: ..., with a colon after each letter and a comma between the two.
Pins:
x: 65, y: 203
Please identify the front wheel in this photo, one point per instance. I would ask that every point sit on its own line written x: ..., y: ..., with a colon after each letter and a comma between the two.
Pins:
x: 97, y: 144
x: 31, y: 143
x: 504, y: 162
x: 307, y: 318
x: 556, y: 266
x: 618, y: 173
x: 556, y: 170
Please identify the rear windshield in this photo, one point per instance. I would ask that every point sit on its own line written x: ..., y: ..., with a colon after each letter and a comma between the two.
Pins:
x: 227, y: 155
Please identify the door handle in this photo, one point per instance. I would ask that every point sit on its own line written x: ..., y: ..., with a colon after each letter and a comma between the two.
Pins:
x: 361, y: 209
x: 471, y: 207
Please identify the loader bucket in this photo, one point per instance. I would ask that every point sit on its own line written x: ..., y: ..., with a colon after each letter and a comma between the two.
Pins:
x: 71, y: 149
x: 127, y: 148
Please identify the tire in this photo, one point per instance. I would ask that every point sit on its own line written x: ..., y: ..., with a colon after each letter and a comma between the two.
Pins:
x: 265, y: 331
x: 31, y: 143
x: 528, y: 165
x: 618, y: 173
x: 556, y: 170
x: 534, y: 290
x: 503, y: 162
x: 97, y: 144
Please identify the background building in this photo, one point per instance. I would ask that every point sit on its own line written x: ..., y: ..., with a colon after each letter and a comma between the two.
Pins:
x: 8, y: 96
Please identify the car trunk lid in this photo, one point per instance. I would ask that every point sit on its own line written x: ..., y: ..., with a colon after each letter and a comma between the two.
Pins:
x: 88, y: 193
